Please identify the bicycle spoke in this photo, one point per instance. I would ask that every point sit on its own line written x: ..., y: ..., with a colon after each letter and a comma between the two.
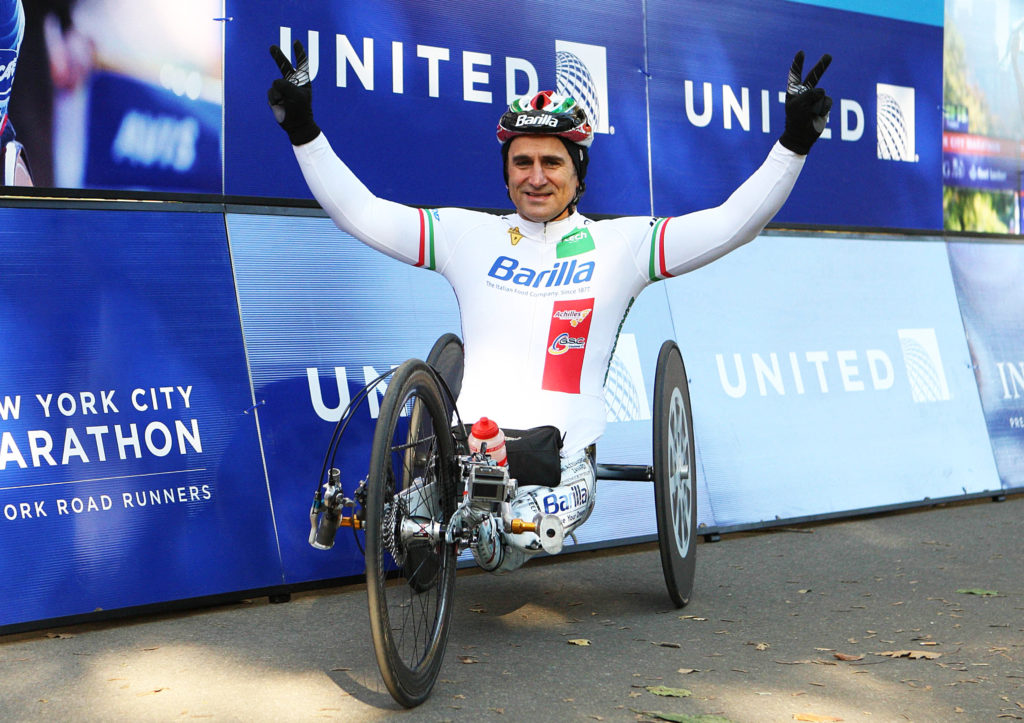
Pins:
x: 413, y: 577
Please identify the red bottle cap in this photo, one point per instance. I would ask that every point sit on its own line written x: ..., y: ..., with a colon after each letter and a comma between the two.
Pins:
x: 484, y: 428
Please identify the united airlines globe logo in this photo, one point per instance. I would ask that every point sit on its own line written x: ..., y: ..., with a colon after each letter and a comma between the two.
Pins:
x: 573, y: 78
x: 625, y: 402
x: 895, y: 119
x: 581, y: 71
x: 924, y: 365
x: 624, y: 391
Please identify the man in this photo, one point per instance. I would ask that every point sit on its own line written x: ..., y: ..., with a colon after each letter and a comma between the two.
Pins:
x: 543, y: 292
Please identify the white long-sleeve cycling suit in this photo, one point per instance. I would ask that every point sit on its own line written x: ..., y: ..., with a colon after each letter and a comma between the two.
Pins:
x: 559, y: 290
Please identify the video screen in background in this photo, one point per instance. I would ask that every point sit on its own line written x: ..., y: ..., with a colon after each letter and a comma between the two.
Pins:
x: 983, y: 123
x: 121, y: 94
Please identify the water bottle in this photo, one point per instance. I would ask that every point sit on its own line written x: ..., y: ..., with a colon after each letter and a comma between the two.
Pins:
x: 485, y: 431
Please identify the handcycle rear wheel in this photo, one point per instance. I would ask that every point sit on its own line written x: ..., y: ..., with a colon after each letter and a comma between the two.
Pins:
x: 410, y: 568
x: 675, y: 474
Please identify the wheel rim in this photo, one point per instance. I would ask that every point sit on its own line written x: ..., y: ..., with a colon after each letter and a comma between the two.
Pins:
x: 414, y: 608
x: 680, y: 476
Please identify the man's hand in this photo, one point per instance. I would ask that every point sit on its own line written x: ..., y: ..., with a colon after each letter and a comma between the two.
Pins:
x: 291, y: 96
x: 807, y: 106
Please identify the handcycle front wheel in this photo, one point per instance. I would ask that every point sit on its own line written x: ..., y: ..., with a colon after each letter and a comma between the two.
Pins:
x: 410, y: 568
x: 675, y: 474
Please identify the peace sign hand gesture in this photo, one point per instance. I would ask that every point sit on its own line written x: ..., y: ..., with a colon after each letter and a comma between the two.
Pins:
x: 807, y: 106
x: 291, y: 96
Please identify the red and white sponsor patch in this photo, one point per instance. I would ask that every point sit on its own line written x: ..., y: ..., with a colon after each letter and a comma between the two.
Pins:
x: 567, y: 345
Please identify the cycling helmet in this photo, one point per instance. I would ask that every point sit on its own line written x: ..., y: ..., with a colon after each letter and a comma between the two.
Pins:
x: 549, y: 113
x: 12, y: 30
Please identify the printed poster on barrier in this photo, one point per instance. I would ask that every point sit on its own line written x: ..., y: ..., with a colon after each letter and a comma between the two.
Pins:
x: 850, y: 388
x: 421, y: 85
x: 717, y: 92
x: 130, y: 468
x: 121, y: 94
x: 987, y: 277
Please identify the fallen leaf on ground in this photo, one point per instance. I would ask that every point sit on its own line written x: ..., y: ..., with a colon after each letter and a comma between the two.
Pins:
x: 682, y: 717
x: 579, y: 641
x: 687, y: 671
x: 468, y: 659
x: 977, y: 591
x: 667, y: 645
x: 665, y: 691
x: 912, y: 654
x: 844, y: 656
x: 814, y: 718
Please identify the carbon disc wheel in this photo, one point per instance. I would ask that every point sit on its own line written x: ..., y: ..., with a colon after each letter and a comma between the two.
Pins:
x: 675, y: 474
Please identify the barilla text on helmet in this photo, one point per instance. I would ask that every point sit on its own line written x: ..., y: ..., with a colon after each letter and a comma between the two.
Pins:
x: 536, y: 120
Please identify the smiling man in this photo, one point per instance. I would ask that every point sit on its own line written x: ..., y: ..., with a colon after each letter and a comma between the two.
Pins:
x: 543, y: 291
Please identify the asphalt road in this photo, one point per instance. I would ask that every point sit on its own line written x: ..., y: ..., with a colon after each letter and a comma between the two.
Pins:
x: 858, y: 620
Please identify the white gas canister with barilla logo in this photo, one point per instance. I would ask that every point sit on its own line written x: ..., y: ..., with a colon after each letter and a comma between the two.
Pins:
x: 486, y: 431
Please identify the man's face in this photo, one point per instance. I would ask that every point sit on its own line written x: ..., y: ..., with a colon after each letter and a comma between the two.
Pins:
x: 541, y: 178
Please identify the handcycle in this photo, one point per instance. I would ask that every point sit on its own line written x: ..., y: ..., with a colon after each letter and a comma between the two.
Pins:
x: 424, y: 489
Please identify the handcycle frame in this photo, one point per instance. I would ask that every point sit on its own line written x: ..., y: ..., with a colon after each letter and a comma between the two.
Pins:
x: 414, y: 523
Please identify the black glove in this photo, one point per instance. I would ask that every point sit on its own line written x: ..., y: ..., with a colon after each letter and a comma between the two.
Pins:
x: 807, y: 106
x: 291, y: 96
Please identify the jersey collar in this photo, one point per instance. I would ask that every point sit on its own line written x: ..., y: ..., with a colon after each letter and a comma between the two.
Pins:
x: 550, y: 231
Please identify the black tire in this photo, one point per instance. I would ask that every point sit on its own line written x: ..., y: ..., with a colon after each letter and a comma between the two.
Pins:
x: 675, y: 474
x: 447, y: 357
x: 410, y: 584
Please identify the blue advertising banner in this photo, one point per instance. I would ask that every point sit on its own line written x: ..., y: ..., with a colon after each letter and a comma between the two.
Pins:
x: 987, y: 277
x: 443, y: 71
x: 405, y: 89
x: 130, y: 468
x: 827, y: 375
x: 717, y: 83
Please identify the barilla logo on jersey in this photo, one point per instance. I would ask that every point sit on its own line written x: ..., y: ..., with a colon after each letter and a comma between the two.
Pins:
x: 563, y: 273
x: 536, y: 120
x: 573, y: 316
x: 567, y: 345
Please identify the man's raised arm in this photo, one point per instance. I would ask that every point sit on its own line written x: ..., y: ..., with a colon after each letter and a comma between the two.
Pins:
x: 698, y: 238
